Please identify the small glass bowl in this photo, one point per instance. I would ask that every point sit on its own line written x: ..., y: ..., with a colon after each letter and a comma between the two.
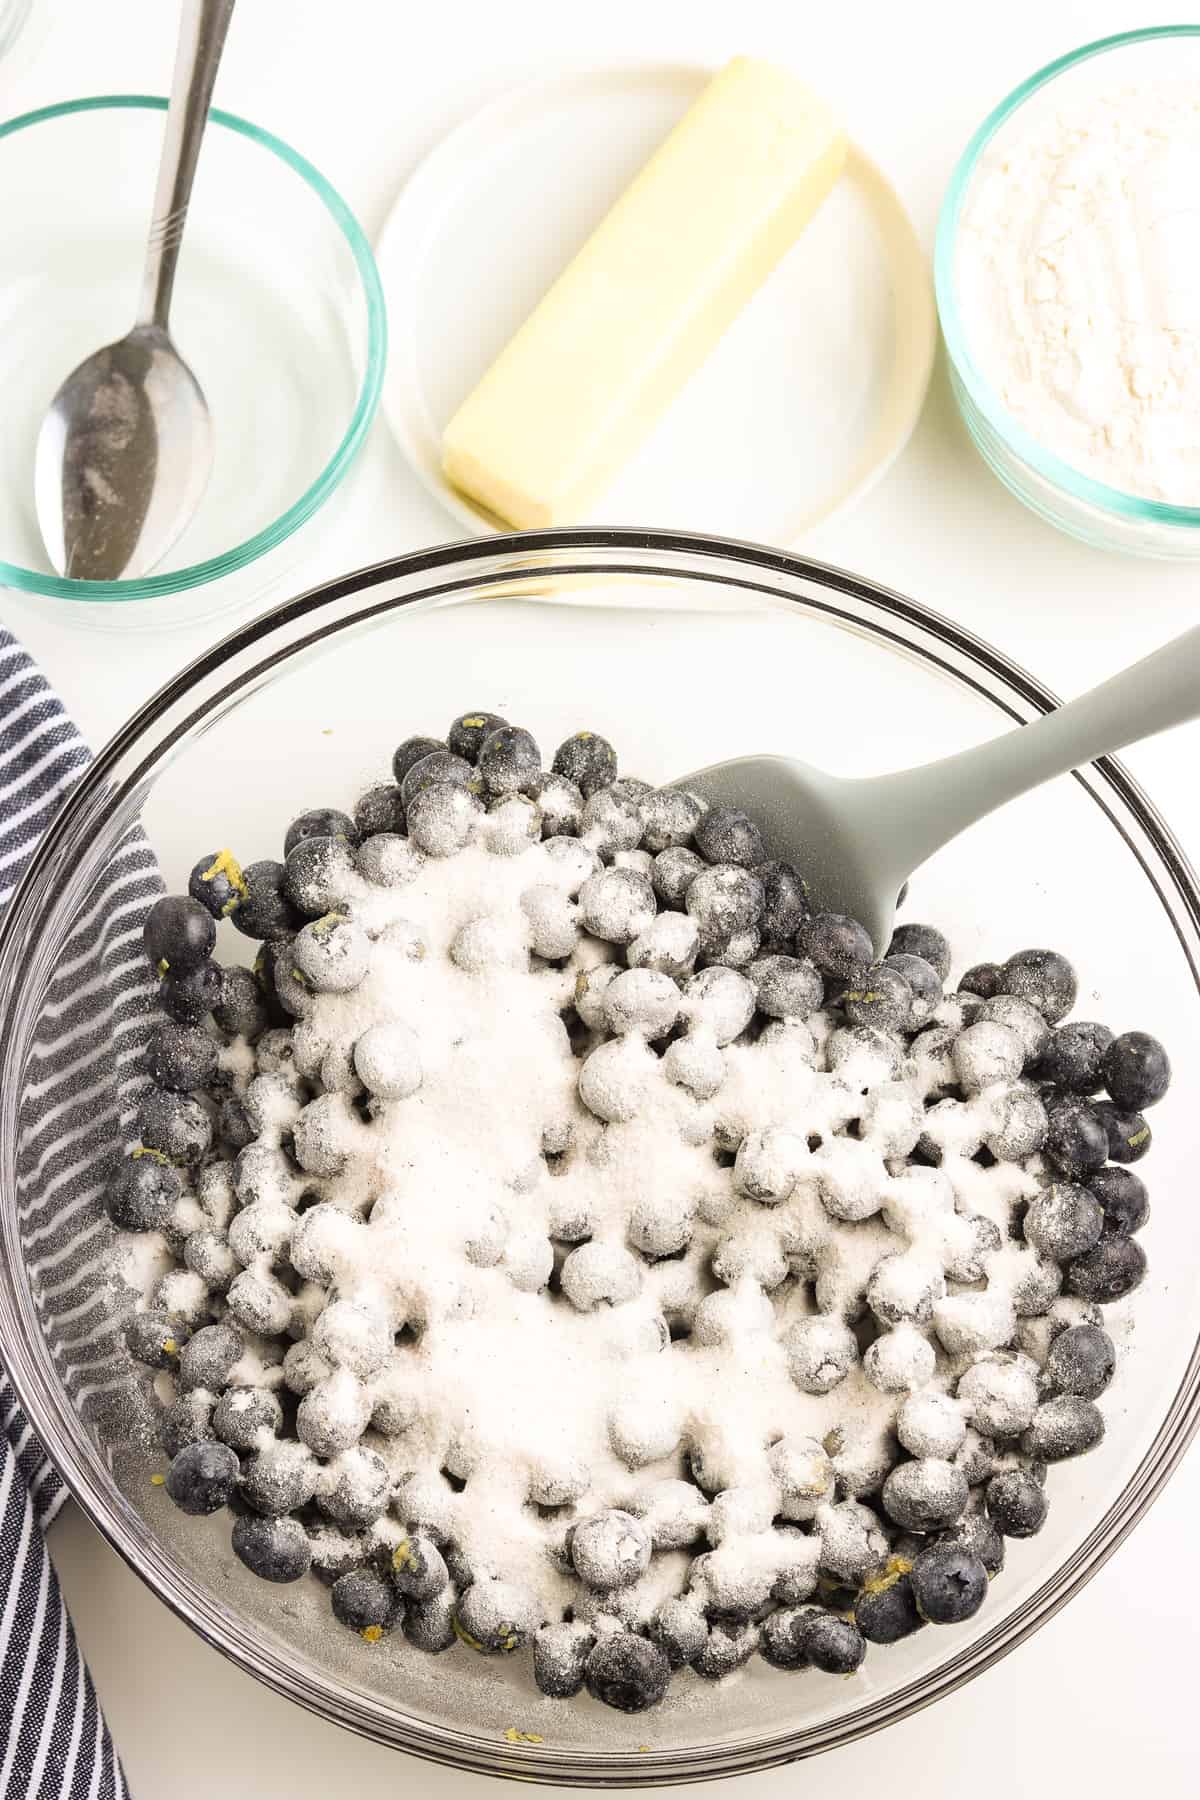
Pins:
x: 560, y: 629
x: 1102, y: 516
x: 278, y: 309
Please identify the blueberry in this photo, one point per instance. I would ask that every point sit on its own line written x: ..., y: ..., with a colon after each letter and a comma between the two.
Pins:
x: 1129, y: 1136
x: 410, y: 752
x: 786, y: 987
x: 379, y: 812
x: 280, y: 1479
x: 1016, y: 1503
x: 926, y: 1494
x: 1045, y: 979
x: 834, y: 1645
x: 925, y: 941
x: 680, y: 1630
x: 1065, y: 1426
x: 1071, y: 1057
x: 155, y: 1338
x: 1123, y: 1199
x: 272, y: 1549
x: 175, y: 1125
x: 239, y: 1008
x: 218, y: 884
x: 1081, y: 1361
x: 782, y: 1640
x: 879, y: 997
x: 360, y: 1491
x: 976, y: 1533
x: 495, y: 1618
x: 203, y: 1478
x: 724, y: 900
x: 418, y: 1567
x: 1063, y: 1221
x: 949, y: 1583
x: 1076, y: 1142
x: 886, y: 1611
x: 241, y: 1415
x: 181, y: 1057
x: 466, y: 736
x: 187, y: 1420
x: 982, y: 979
x: 669, y: 818
x: 633, y: 789
x: 560, y: 803
x: 141, y: 1194
x: 785, y: 902
x: 729, y: 1645
x: 265, y: 911
x: 839, y: 946
x: 189, y: 998
x: 627, y: 1672
x: 179, y: 934
x: 610, y: 823
x: 1110, y: 1271
x: 726, y: 835
x: 560, y: 1655
x: 610, y: 1550
x: 510, y: 761
x: 319, y: 873
x: 1137, y: 1072
x: 588, y: 760
x: 673, y: 874
x: 208, y: 1356
x: 433, y: 770
x: 429, y: 1624
x: 365, y: 1602
x: 443, y: 818
x: 923, y: 979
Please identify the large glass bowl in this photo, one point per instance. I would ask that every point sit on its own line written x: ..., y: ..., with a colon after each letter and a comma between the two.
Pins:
x: 278, y: 310
x: 1063, y: 495
x: 682, y: 650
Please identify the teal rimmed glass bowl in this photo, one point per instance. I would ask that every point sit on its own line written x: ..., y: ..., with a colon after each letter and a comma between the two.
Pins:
x: 1102, y: 516
x: 278, y: 309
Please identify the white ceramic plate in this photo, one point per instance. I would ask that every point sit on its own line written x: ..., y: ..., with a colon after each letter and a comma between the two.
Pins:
x: 801, y: 407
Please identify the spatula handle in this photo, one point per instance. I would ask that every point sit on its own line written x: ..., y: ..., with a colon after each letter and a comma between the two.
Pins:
x: 934, y: 803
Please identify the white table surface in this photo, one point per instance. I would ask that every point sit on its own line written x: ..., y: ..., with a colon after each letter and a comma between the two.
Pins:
x: 1102, y: 1699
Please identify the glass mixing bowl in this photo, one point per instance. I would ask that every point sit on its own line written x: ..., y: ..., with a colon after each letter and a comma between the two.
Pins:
x: 278, y: 310
x: 1101, y: 515
x: 616, y: 631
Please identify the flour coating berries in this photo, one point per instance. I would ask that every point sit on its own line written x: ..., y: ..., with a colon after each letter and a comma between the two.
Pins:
x: 571, y: 1245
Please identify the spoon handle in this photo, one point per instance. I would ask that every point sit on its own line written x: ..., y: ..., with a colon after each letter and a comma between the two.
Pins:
x: 934, y: 803
x: 202, y: 31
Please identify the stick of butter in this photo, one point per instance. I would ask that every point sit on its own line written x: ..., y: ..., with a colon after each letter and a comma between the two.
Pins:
x: 646, y: 299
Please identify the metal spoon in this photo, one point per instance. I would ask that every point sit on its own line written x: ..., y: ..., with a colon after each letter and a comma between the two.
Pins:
x: 857, y: 841
x: 125, y: 452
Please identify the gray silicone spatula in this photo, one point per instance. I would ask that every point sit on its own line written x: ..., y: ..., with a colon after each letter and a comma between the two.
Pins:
x: 857, y: 841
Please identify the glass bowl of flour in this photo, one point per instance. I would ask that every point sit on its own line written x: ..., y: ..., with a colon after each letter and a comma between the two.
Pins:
x: 681, y: 651
x: 1068, y: 284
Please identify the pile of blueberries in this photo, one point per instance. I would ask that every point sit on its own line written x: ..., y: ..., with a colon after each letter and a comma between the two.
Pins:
x: 1083, y: 1095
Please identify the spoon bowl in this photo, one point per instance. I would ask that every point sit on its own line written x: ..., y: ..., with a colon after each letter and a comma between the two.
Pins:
x: 123, y: 458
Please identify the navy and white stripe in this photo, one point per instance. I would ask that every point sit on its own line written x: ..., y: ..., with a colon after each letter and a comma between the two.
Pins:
x: 81, y: 1082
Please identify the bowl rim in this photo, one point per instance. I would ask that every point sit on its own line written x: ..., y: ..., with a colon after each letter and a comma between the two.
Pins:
x: 239, y: 556
x: 981, y: 395
x: 440, y: 576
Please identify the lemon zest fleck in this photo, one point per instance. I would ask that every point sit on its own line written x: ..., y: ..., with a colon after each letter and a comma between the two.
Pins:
x: 144, y: 1150
x: 513, y: 1736
x: 372, y: 1633
x: 158, y: 1481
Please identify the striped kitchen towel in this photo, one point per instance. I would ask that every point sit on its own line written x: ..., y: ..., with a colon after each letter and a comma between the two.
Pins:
x: 54, y: 1743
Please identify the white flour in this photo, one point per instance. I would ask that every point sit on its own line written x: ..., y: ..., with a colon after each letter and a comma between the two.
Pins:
x: 439, y: 1215
x: 1078, y: 277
